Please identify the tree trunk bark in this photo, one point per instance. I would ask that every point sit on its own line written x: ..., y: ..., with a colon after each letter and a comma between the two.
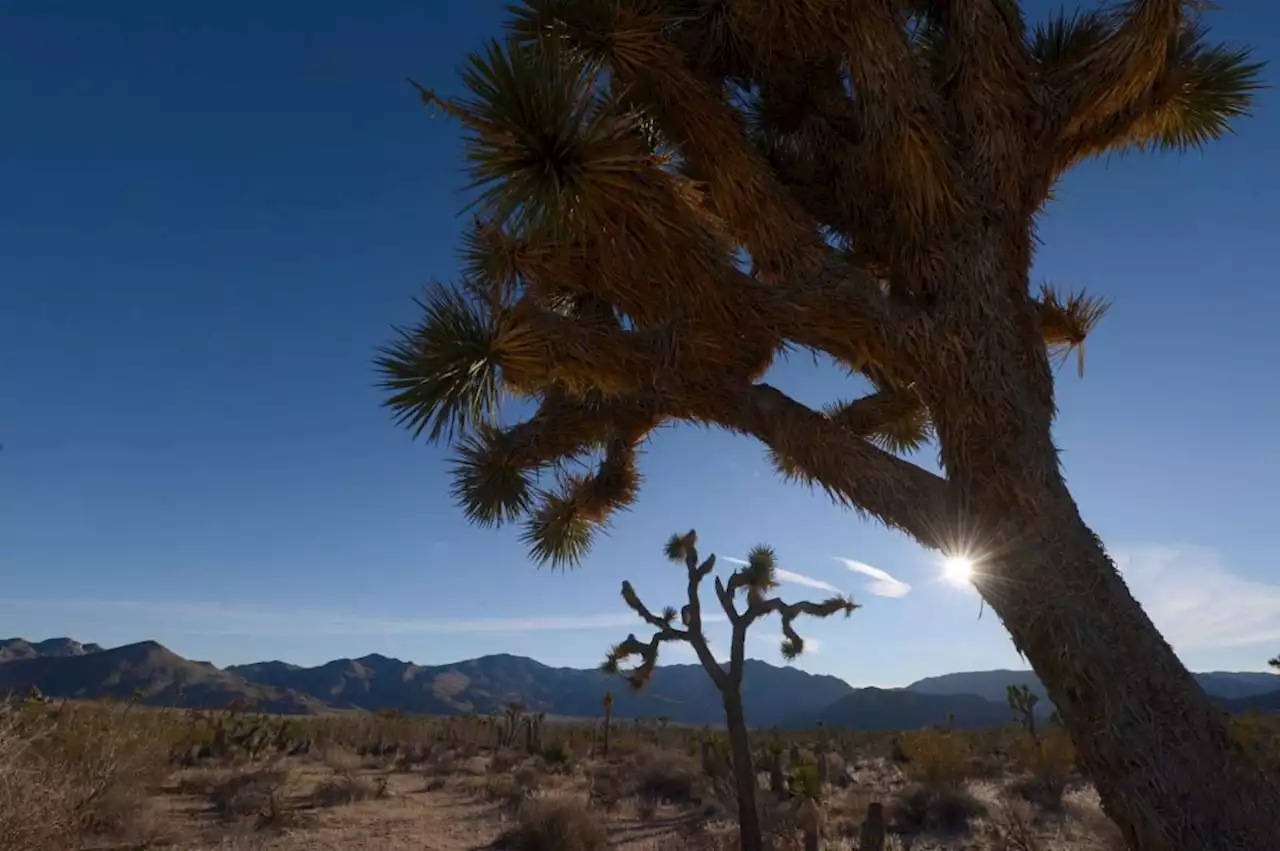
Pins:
x: 1159, y: 752
x: 744, y: 771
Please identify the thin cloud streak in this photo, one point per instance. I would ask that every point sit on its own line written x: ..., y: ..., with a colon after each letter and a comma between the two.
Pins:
x: 201, y: 618
x: 883, y: 585
x: 801, y: 579
x: 1197, y: 601
x: 792, y: 577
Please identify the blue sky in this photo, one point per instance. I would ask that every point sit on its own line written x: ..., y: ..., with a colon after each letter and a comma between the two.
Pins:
x: 210, y: 213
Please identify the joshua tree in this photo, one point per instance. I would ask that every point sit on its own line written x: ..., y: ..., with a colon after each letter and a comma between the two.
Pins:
x: 1022, y: 700
x: 608, y: 720
x: 1275, y: 663
x: 673, y: 192
x: 752, y: 582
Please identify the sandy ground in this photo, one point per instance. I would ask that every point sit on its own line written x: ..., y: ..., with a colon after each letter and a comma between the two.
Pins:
x: 453, y: 813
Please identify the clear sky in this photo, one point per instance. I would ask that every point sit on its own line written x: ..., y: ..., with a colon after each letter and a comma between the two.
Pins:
x: 210, y: 213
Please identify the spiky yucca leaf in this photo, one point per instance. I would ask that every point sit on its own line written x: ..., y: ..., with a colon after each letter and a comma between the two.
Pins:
x: 443, y: 372
x: 611, y: 665
x: 488, y: 483
x: 677, y: 546
x: 556, y: 533
x: 546, y: 152
x: 1212, y: 85
x: 491, y: 261
x: 896, y: 421
x: 1067, y: 36
x: 761, y: 567
x: 1066, y: 322
x: 792, y: 648
x: 586, y: 22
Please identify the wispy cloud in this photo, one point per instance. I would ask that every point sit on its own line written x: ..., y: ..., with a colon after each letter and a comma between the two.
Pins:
x: 200, y: 618
x: 883, y: 585
x: 1197, y: 600
x: 792, y: 577
x: 800, y: 579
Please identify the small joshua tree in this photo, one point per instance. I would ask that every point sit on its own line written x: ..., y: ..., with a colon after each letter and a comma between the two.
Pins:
x: 753, y: 581
x: 608, y: 720
x: 1275, y: 663
x: 1022, y: 700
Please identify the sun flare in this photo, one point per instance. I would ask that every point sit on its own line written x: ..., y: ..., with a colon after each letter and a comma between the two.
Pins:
x: 957, y: 569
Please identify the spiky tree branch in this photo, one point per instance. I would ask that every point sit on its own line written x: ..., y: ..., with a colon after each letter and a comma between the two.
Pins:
x: 569, y: 293
x: 753, y: 581
x: 1118, y: 64
x: 1144, y: 76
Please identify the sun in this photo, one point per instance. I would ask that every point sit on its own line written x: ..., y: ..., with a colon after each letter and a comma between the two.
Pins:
x: 957, y: 569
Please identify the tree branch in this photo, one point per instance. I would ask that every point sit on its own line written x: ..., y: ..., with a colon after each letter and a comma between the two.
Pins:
x: 1120, y: 70
x: 810, y: 447
x: 679, y: 548
x: 895, y: 420
x: 1200, y: 89
x: 840, y: 310
x: 900, y: 113
x: 794, y: 645
x: 986, y: 75
x: 725, y: 596
x: 662, y: 624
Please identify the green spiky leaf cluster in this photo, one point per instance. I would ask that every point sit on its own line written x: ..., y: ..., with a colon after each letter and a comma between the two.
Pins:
x: 761, y: 567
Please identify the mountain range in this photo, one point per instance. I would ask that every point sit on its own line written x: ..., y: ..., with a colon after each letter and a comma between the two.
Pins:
x: 773, y: 696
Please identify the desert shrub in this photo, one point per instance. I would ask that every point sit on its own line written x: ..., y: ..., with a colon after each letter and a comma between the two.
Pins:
x: 665, y: 775
x: 1260, y: 737
x: 947, y: 809
x: 440, y: 759
x: 504, y: 760
x: 512, y: 790
x: 937, y: 760
x: 606, y: 785
x: 76, y: 771
x: 837, y: 769
x: 1014, y: 823
x: 558, y: 756
x: 555, y: 824
x: 340, y: 760
x: 805, y: 781
x: 1049, y: 763
x: 347, y: 788
x: 244, y: 793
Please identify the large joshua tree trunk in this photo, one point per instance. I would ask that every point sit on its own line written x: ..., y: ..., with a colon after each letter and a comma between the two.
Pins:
x: 1159, y: 752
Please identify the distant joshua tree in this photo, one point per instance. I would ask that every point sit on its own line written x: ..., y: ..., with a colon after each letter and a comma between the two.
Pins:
x: 1275, y: 663
x: 1022, y: 700
x: 753, y: 581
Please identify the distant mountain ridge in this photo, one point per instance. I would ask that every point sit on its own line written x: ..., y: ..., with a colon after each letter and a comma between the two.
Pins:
x: 17, y: 648
x: 1241, y: 686
x: 774, y: 696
